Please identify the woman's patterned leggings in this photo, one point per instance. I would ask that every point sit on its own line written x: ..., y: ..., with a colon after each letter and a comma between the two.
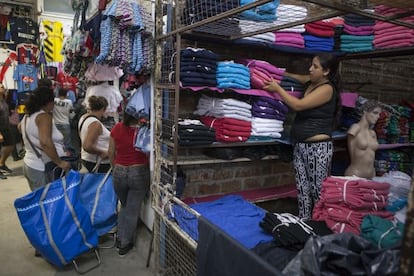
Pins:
x: 312, y: 163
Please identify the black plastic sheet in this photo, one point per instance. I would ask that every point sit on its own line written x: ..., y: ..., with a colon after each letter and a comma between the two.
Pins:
x: 343, y: 254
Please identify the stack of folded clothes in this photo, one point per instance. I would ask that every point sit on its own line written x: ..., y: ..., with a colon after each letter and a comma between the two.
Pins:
x: 193, y: 133
x: 232, y: 75
x: 198, y: 67
x: 388, y: 35
x: 228, y: 129
x: 290, y: 39
x: 288, y: 13
x: 268, y: 117
x: 345, y: 201
x: 291, y: 84
x: 320, y: 35
x: 358, y: 33
x: 261, y: 71
x: 265, y: 12
x: 227, y: 108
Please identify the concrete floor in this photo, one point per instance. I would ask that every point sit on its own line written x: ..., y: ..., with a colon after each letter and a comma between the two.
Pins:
x: 17, y: 254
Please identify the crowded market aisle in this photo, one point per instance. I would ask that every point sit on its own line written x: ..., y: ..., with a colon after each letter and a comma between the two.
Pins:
x: 17, y: 254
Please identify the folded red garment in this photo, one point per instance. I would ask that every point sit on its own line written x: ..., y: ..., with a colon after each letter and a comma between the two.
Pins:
x: 384, y: 26
x: 218, y: 122
x: 378, y: 39
x: 258, y: 79
x: 357, y: 182
x: 319, y: 32
x: 354, y: 217
x: 327, y: 25
x: 232, y: 133
x: 394, y: 44
x: 341, y: 219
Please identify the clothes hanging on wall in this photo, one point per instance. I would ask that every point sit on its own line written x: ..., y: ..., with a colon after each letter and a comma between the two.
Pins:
x: 8, y: 61
x: 22, y: 30
x: 53, y: 40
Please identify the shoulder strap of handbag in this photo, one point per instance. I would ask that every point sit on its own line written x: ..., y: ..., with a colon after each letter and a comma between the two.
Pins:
x: 83, y: 121
x: 30, y: 141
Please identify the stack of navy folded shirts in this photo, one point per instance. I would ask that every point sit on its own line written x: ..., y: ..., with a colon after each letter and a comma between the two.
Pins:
x: 195, y: 11
x: 268, y: 117
x: 194, y: 133
x: 232, y: 75
x: 262, y: 71
x: 358, y: 33
x: 198, y: 67
x: 291, y: 84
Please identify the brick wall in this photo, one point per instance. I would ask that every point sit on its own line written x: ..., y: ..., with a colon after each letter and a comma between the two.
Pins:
x: 232, y: 177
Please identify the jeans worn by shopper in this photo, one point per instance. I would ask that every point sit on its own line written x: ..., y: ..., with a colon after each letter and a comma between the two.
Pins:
x: 131, y: 184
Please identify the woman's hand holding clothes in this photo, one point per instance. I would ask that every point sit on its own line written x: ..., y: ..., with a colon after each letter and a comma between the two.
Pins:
x: 272, y: 86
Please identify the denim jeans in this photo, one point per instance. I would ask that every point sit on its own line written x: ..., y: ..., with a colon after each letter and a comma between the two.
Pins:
x: 131, y: 184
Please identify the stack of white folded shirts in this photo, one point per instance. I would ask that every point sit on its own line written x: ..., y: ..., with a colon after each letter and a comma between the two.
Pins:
x: 291, y: 13
x: 267, y: 127
x: 223, y: 108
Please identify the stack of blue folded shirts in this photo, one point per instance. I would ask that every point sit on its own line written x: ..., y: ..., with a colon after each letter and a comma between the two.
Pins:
x: 232, y: 75
x: 318, y: 43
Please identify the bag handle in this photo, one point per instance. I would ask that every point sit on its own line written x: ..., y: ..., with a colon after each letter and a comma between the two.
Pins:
x: 98, y: 194
x: 74, y: 217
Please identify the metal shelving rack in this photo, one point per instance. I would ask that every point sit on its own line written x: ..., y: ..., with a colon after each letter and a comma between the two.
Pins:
x: 174, y: 250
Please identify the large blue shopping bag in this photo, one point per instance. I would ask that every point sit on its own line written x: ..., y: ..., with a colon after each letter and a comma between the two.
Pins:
x: 55, y: 221
x: 100, y: 200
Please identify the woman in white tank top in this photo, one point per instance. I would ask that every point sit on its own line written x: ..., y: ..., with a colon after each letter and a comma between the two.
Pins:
x: 43, y: 141
x: 94, y: 135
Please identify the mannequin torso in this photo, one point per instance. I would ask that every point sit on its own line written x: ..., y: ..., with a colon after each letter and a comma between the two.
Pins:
x: 362, y: 144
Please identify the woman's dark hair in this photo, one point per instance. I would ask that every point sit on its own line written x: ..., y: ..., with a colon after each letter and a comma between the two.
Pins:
x: 128, y: 119
x: 62, y: 92
x: 44, y: 82
x: 330, y: 62
x: 97, y: 103
x: 38, y: 99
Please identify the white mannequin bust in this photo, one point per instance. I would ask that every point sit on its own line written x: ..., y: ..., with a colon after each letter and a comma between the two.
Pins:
x: 362, y: 142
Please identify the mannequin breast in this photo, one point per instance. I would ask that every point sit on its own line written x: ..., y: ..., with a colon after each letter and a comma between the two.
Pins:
x: 362, y: 145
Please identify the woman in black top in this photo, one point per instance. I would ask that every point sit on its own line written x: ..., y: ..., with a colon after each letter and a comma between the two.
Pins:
x: 312, y: 128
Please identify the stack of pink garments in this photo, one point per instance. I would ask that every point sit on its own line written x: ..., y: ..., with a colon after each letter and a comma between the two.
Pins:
x: 358, y: 30
x: 388, y: 35
x: 290, y: 39
x: 261, y: 71
x: 344, y: 202
x: 228, y: 129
